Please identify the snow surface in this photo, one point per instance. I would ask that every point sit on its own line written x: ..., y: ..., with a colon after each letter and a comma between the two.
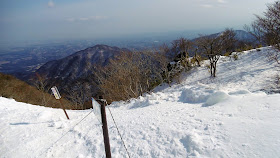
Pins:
x: 227, y: 116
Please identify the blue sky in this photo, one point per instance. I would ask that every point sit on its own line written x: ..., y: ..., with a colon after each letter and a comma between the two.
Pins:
x: 23, y: 20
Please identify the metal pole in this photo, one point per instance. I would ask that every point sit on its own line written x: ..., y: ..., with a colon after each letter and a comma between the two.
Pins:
x: 105, y: 131
x: 63, y: 109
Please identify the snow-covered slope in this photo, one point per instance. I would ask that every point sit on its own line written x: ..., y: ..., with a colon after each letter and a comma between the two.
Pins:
x: 228, y: 116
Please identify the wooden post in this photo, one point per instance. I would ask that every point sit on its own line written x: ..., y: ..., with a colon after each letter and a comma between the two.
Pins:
x: 105, y: 130
x: 63, y: 109
x: 57, y: 96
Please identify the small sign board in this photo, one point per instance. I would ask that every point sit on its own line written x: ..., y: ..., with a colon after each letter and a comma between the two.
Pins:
x: 96, y: 109
x: 55, y: 92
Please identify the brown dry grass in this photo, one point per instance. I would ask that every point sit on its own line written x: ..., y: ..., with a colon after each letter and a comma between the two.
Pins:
x: 11, y: 87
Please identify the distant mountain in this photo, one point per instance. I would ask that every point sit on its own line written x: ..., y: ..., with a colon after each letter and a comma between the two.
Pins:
x: 22, y: 61
x: 240, y: 35
x: 72, y: 74
x: 79, y: 64
x: 245, y: 36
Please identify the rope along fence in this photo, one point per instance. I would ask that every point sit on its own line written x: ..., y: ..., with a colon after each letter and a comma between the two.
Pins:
x: 71, y: 129
x: 119, y: 132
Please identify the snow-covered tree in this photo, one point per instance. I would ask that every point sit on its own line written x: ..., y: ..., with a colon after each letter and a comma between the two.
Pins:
x: 180, y: 49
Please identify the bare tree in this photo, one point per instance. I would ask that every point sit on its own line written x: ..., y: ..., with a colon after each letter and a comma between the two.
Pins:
x: 120, y: 80
x: 196, y: 58
x: 255, y: 31
x: 180, y: 48
x: 214, y: 46
x: 40, y: 82
x: 176, y: 58
x: 129, y: 75
x: 79, y: 93
x: 163, y: 57
x: 267, y: 27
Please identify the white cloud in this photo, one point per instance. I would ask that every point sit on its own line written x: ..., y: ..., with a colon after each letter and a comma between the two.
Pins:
x: 222, y: 1
x: 99, y: 17
x: 92, y: 18
x: 215, y: 3
x: 50, y: 4
x: 71, y: 19
x: 83, y: 19
x: 207, y: 6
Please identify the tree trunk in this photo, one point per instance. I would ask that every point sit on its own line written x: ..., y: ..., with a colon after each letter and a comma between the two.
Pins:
x: 215, y: 68
x: 211, y: 68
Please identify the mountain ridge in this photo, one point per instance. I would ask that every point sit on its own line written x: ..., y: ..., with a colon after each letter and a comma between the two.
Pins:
x: 79, y: 64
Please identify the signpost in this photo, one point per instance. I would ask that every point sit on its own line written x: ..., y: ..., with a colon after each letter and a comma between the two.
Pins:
x: 96, y: 109
x: 99, y: 109
x: 57, y: 96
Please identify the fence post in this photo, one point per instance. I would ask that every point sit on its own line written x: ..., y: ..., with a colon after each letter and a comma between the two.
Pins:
x: 64, y: 109
x: 105, y: 129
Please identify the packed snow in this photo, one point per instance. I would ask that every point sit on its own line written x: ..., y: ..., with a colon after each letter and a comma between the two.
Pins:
x: 232, y: 115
